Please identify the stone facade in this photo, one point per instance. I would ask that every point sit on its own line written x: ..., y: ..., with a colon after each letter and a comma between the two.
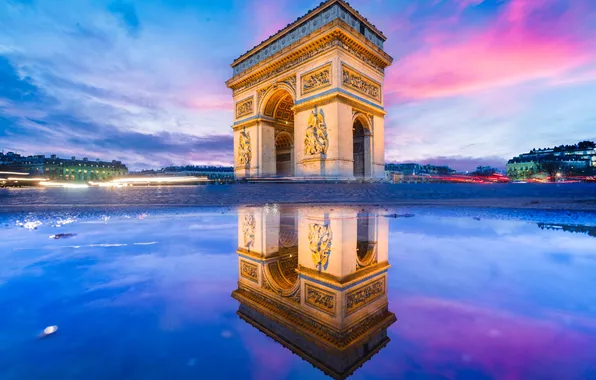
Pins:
x: 60, y: 169
x: 300, y: 93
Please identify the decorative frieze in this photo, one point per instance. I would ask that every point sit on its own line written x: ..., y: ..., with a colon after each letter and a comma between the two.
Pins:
x: 355, y: 80
x: 316, y: 79
x: 320, y: 238
x: 316, y: 140
x: 245, y: 107
x: 318, y: 48
x: 319, y: 299
x: 364, y: 295
x: 249, y: 271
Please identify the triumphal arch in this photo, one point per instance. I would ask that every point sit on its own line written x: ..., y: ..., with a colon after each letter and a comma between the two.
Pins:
x: 309, y: 99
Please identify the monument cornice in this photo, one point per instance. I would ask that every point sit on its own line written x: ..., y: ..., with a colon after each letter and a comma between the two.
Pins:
x: 314, y: 360
x: 347, y: 281
x: 305, y: 26
x: 254, y: 120
x: 310, y: 326
x: 337, y: 34
x: 343, y: 96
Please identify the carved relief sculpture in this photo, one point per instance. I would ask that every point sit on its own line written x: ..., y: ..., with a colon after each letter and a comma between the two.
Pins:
x: 291, y: 81
x: 244, y: 107
x: 244, y: 149
x: 260, y: 94
x: 364, y: 295
x: 316, y: 79
x: 320, y: 299
x: 316, y: 140
x: 248, y: 229
x: 361, y: 83
x: 320, y: 237
x: 249, y: 271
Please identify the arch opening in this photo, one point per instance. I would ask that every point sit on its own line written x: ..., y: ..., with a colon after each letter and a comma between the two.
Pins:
x: 282, y: 269
x: 358, y: 148
x: 366, y: 246
x: 279, y: 107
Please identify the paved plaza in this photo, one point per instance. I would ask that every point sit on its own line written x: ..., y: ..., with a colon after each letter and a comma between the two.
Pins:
x: 535, y: 196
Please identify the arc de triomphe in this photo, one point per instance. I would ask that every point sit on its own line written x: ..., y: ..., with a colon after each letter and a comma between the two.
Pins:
x: 309, y: 99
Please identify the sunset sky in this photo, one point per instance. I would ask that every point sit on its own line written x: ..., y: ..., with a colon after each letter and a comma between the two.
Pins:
x: 473, y: 82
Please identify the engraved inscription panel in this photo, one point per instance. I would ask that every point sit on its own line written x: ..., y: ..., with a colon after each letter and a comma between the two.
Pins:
x: 355, y: 80
x: 364, y: 295
x: 249, y: 271
x: 320, y: 299
x: 316, y: 79
x: 245, y: 107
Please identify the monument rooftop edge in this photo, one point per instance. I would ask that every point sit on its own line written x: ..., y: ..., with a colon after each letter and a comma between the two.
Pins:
x: 315, y: 19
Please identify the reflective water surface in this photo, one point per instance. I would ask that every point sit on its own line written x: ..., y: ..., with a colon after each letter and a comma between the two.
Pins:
x: 297, y: 292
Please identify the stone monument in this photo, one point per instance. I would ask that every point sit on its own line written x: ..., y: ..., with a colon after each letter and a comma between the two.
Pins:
x: 309, y: 99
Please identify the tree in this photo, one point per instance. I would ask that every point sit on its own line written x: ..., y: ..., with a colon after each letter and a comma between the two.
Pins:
x: 550, y: 167
x: 584, y: 145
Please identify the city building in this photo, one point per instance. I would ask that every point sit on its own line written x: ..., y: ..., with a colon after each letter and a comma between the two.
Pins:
x: 560, y: 161
x: 309, y: 100
x: 61, y: 169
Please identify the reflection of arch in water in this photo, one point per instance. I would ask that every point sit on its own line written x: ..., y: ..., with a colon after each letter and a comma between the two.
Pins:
x: 336, y: 320
x: 367, y: 254
x: 281, y: 276
x: 288, y: 230
x: 366, y: 245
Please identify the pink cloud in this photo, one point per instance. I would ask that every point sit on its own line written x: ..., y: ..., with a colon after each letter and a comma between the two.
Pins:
x: 207, y: 103
x: 269, y: 17
x: 270, y: 360
x: 440, y: 337
x: 526, y: 42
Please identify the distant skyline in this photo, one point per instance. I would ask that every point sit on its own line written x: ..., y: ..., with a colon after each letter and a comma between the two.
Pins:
x: 473, y: 83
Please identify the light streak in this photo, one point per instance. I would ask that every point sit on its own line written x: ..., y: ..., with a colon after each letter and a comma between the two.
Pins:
x: 26, y: 179
x: 106, y: 184
x: 160, y: 179
x: 14, y: 173
x: 65, y: 185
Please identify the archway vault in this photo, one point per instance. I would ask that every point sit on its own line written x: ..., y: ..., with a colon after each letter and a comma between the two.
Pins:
x: 280, y: 276
x: 362, y: 145
x: 277, y: 102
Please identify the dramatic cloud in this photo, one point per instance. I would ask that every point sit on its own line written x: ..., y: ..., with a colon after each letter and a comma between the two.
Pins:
x: 528, y: 40
x: 474, y: 81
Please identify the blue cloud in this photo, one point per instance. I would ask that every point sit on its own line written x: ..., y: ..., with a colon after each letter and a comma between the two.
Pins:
x: 127, y: 13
